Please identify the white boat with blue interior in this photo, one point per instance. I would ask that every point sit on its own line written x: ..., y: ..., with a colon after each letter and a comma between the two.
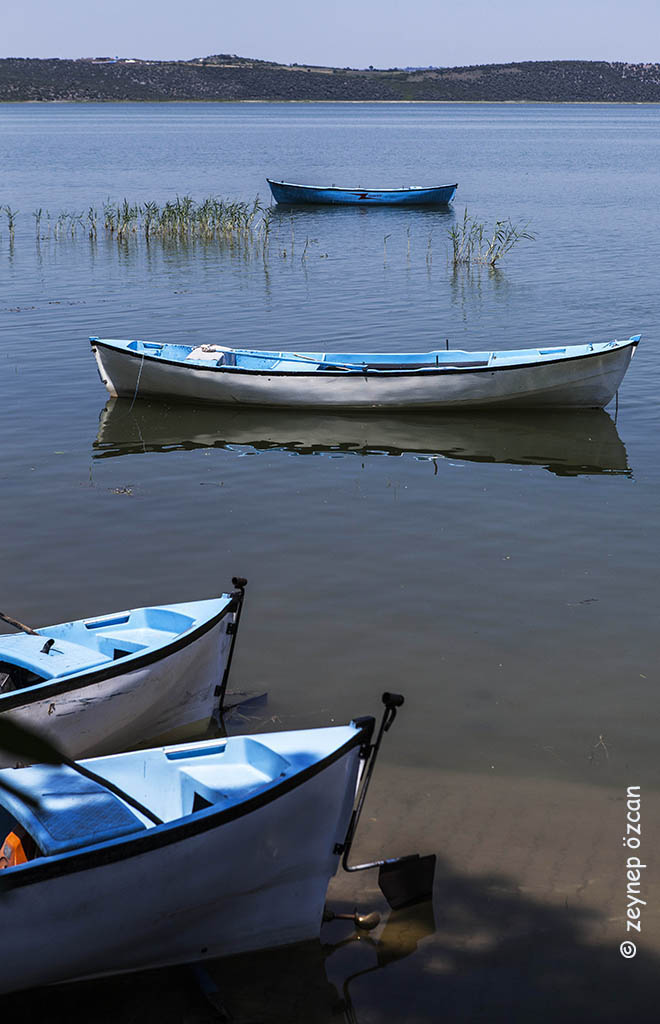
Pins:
x: 108, y: 682
x: 556, y: 376
x: 185, y: 852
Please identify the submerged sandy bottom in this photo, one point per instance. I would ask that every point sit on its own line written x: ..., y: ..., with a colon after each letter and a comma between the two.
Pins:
x: 528, y: 916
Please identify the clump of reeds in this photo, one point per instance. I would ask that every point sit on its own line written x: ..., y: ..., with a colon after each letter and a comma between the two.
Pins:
x: 471, y: 244
x: 212, y: 218
x: 181, y: 218
x: 121, y: 219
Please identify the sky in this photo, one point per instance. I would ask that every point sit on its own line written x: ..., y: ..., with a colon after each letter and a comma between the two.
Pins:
x: 382, y: 33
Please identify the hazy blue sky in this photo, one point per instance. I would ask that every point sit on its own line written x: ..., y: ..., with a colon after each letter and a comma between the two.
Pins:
x: 379, y: 32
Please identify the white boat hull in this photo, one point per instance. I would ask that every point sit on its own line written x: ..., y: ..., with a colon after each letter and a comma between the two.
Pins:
x: 251, y: 883
x: 166, y: 699
x: 587, y: 381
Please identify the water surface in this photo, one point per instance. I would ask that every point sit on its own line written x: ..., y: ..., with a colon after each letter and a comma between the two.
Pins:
x: 501, y: 571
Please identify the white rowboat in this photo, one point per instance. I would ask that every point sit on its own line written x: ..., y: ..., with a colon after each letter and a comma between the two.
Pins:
x: 251, y: 830
x: 575, y: 376
x: 114, y: 681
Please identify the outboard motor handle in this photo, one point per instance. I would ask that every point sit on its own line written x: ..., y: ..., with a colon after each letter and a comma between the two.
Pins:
x: 392, y: 701
x: 238, y: 597
x: 403, y: 880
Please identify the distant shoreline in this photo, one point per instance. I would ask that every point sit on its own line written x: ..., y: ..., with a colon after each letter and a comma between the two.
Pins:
x: 229, y: 79
x: 348, y: 103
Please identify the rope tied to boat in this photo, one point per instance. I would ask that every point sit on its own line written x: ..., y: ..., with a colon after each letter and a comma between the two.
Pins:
x: 137, y: 384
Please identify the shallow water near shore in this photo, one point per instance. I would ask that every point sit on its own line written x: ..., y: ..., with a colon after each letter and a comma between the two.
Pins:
x: 501, y: 571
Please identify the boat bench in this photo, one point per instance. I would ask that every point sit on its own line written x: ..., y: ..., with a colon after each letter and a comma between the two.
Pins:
x: 131, y: 640
x: 62, y: 658
x: 296, y: 365
x: 245, y: 765
x: 72, y: 812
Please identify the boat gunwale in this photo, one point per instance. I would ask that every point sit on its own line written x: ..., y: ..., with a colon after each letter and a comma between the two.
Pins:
x: 170, y: 832
x: 360, y: 191
x: 608, y: 348
x: 58, y: 685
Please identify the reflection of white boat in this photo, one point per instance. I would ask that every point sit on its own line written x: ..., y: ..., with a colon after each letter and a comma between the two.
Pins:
x: 559, y: 376
x: 102, y: 684
x: 566, y: 443
x: 229, y: 848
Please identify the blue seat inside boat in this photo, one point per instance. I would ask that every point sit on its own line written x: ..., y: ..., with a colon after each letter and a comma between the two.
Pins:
x: 72, y: 812
x: 132, y: 640
x: 60, y: 659
x: 245, y: 766
x: 295, y: 365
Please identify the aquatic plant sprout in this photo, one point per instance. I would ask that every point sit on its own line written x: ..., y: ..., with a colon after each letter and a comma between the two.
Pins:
x: 11, y: 220
x: 470, y: 243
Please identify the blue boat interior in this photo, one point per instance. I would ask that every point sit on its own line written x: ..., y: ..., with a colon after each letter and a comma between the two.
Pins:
x: 74, y: 647
x: 74, y: 812
x: 355, y: 362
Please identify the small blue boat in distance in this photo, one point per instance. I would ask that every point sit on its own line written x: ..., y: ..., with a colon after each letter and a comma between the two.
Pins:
x: 413, y: 195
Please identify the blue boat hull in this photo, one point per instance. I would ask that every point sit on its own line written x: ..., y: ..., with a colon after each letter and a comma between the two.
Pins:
x: 284, y: 192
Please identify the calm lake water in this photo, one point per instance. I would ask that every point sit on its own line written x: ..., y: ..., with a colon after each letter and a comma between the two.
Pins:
x: 501, y: 571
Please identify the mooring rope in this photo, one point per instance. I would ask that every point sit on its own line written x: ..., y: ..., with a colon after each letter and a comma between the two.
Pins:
x: 137, y: 385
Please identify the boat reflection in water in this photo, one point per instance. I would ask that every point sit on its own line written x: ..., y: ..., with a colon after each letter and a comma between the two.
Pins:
x: 319, y: 982
x: 315, y: 982
x: 567, y: 443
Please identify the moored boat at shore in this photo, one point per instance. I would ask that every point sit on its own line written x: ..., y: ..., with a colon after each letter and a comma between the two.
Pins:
x: 184, y: 853
x: 106, y: 683
x: 569, y: 376
x: 412, y: 195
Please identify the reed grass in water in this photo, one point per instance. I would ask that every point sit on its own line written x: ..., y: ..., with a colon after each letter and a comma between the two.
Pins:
x: 182, y: 218
x: 470, y: 243
x: 11, y: 220
x: 212, y: 218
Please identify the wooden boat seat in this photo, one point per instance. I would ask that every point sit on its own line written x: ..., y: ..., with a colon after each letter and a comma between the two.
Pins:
x: 72, y: 811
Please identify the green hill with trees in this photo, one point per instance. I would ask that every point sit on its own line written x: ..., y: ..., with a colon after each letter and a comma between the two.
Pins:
x: 227, y: 77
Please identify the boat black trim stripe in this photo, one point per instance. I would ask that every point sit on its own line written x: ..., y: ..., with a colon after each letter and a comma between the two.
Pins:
x: 174, y: 832
x: 57, y: 686
x: 359, y: 372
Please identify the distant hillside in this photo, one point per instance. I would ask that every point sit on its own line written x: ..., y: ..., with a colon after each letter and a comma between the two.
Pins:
x: 227, y: 77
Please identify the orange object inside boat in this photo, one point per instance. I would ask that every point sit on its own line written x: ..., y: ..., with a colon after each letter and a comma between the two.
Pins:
x: 13, y: 851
